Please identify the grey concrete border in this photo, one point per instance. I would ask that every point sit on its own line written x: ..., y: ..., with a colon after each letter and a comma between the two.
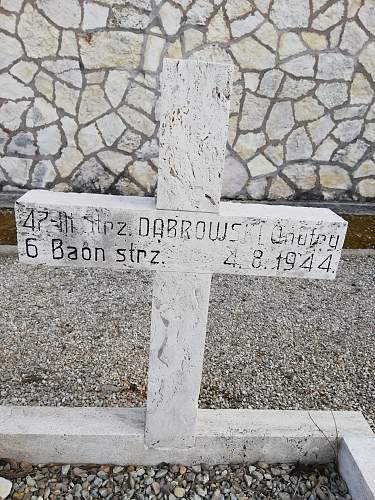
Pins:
x: 116, y: 435
x: 357, y: 466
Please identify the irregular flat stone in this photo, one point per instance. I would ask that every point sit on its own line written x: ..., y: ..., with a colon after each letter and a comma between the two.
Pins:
x: 367, y: 58
x: 24, y: 70
x: 326, y: 149
x: 248, y: 144
x: 261, y: 58
x: 275, y: 153
x: 115, y: 161
x: 303, y: 175
x: 320, y: 128
x: 115, y: 86
x: 67, y: 70
x: 130, y: 141
x: 4, y: 137
x: 44, y: 84
x: 17, y: 169
x: 246, y: 25
x: 334, y: 177
x: 217, y: 29
x: 49, y: 140
x: 200, y: 11
x: 260, y: 166
x: 111, y: 49
x: 366, y: 169
x: 366, y: 188
x: 43, y: 174
x: 23, y: 144
x: 237, y: 8
x: 352, y: 153
x: 270, y: 83
x: 315, y: 41
x: 192, y: 39
x: 329, y: 17
x: 69, y: 46
x: 302, y: 66
x: 12, y: 5
x: 308, y: 109
x: 10, y: 88
x: 93, y: 104
x: 41, y: 38
x: 353, y: 38
x: 235, y: 177
x: 41, y: 113
x: 290, y: 13
x: 293, y: 89
x: 280, y: 121
x: 66, y: 98
x: 367, y: 15
x: 170, y: 17
x: 8, y: 22
x: 144, y: 175
x: 89, y: 139
x: 70, y: 158
x: 290, y: 45
x: 267, y: 35
x: 137, y: 120
x: 66, y: 14
x: 5, y: 487
x: 350, y: 112
x: 298, y: 146
x: 69, y: 127
x: 256, y: 188
x: 11, y: 50
x: 333, y: 65
x: 332, y: 94
x: 91, y: 177
x: 141, y: 98
x: 280, y: 190
x: 11, y: 114
x: 128, y: 16
x: 369, y: 132
x: 253, y: 112
x: 94, y: 16
x: 361, y: 91
x: 111, y: 127
x: 347, y: 131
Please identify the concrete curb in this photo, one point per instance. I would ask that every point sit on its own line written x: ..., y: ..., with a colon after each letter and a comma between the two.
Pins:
x: 357, y: 466
x: 116, y: 435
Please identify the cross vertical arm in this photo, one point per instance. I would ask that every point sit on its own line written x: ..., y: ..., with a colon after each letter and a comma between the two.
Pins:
x: 193, y: 135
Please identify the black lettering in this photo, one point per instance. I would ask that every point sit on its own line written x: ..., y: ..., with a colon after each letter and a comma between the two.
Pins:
x: 236, y: 231
x: 121, y: 253
x: 132, y: 252
x: 335, y: 243
x: 57, y: 251
x: 30, y: 220
x: 141, y: 252
x: 110, y: 224
x: 203, y: 230
x: 155, y: 254
x: 184, y: 230
x: 144, y: 226
x: 158, y: 231
x: 30, y: 246
x: 72, y: 253
x: 276, y: 238
x: 214, y: 237
x: 120, y: 232
x: 86, y: 253
x: 97, y: 250
x: 171, y: 228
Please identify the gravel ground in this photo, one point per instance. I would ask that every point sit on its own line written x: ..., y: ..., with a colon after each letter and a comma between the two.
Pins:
x: 80, y: 337
x: 231, y: 482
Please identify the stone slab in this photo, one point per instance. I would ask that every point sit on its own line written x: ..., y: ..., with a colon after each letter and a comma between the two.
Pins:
x: 357, y: 466
x: 129, y: 232
x: 116, y: 435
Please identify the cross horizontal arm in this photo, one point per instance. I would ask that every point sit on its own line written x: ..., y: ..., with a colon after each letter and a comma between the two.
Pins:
x: 88, y: 230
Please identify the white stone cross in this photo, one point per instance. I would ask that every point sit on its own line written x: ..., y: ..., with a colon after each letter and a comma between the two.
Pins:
x: 185, y: 238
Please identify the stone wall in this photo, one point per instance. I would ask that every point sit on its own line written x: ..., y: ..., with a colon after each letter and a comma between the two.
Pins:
x: 79, y: 93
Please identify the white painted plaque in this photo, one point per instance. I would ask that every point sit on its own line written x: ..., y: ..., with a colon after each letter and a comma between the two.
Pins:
x: 87, y: 230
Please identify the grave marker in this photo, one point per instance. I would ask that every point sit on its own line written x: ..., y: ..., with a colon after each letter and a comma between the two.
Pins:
x: 186, y: 236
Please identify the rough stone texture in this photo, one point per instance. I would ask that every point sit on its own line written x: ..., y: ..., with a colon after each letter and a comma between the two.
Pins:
x: 304, y: 86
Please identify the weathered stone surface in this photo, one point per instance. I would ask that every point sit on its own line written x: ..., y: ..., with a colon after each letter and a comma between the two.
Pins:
x: 10, y: 88
x: 44, y: 84
x: 246, y: 25
x: 366, y: 188
x: 70, y: 158
x: 170, y: 17
x: 200, y: 11
x: 144, y: 175
x: 93, y: 104
x: 111, y: 127
x: 369, y: 132
x: 67, y: 70
x: 280, y: 121
x: 248, y: 144
x: 293, y: 88
x: 298, y: 146
x: 111, y: 49
x: 261, y: 58
x: 256, y: 188
x: 128, y: 16
x: 89, y: 139
x: 154, y: 49
x: 40, y: 38
x: 290, y: 44
x: 192, y: 39
x: 49, y: 140
x: 12, y: 5
x: 332, y: 94
x: 270, y: 83
x: 347, y: 131
x: 366, y: 169
x: 91, y: 176
x: 303, y: 175
x: 137, y: 120
x: 361, y: 91
x: 40, y: 113
x: 260, y: 166
x: 43, y: 174
x: 302, y: 66
x: 129, y: 141
x: 17, y: 169
x: 23, y: 144
x: 350, y: 112
x: 253, y: 112
x: 11, y: 50
x: 95, y: 16
x: 24, y: 70
x: 353, y: 38
x: 217, y: 29
x: 308, y: 109
x: 116, y: 162
x: 352, y: 153
x: 290, y: 13
x: 367, y: 15
x: 325, y: 150
x: 66, y: 98
x: 8, y: 22
x: 238, y: 8
x: 275, y: 154
x: 319, y: 129
x: 11, y: 114
x: 141, y: 98
x: 334, y: 65
x: 66, y: 14
x: 334, y: 177
x: 234, y: 178
x: 4, y: 137
x: 314, y: 41
x: 115, y: 86
x: 280, y: 190
x: 367, y: 58
x: 267, y: 34
x: 329, y: 17
x: 69, y: 46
